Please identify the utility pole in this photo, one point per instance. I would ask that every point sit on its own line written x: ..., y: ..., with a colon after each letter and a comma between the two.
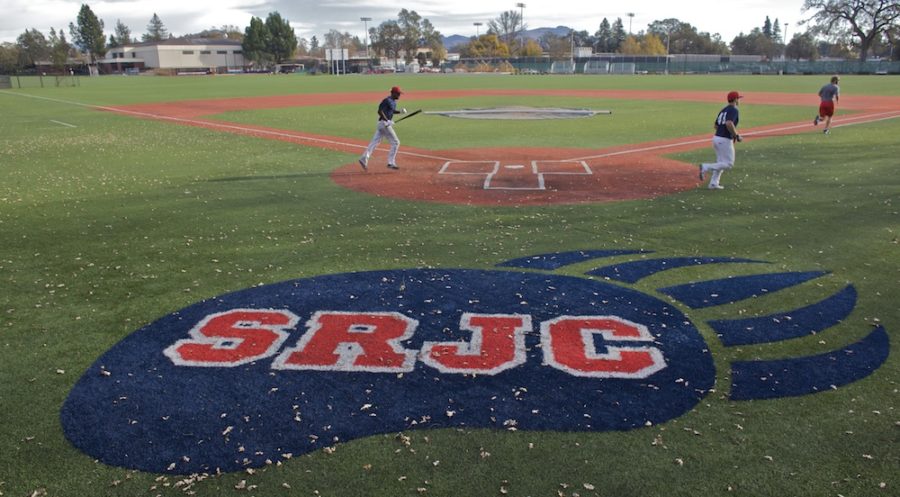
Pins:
x: 630, y: 18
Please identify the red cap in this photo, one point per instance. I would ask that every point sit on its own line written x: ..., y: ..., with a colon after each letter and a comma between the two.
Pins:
x: 732, y: 96
x: 396, y: 90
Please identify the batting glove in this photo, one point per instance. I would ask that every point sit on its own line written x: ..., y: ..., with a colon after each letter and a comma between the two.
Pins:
x: 738, y: 138
x: 403, y: 110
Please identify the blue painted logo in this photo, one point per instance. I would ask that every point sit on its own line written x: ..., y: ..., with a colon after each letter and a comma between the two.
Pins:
x: 289, y: 368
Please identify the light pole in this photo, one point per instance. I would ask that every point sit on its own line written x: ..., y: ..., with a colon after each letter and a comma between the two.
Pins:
x: 365, y: 21
x: 477, y: 24
x: 630, y: 18
x: 668, y: 36
x: 521, y: 7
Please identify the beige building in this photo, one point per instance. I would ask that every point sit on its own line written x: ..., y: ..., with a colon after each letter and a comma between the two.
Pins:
x: 178, y: 55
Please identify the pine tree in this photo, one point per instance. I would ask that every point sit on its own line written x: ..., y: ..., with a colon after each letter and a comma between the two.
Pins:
x: 88, y: 34
x: 604, y: 37
x: 156, y: 30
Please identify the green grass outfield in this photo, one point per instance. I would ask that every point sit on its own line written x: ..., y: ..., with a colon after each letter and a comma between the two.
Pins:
x: 108, y: 223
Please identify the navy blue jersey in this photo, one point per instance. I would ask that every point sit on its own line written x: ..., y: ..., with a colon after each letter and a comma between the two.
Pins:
x: 386, y: 109
x: 729, y: 113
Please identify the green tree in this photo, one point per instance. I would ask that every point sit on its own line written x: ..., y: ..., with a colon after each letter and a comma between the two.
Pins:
x: 9, y: 58
x: 864, y: 20
x: 776, y: 31
x: 767, y: 28
x: 410, y: 23
x: 683, y: 38
x: 282, y: 40
x: 33, y: 48
x: 256, y: 42
x: 156, y: 30
x: 387, y: 39
x: 59, y: 49
x: 121, y: 35
x: 802, y: 46
x: 755, y: 43
x: 88, y: 35
x: 619, y: 34
x: 433, y: 41
x: 603, y: 37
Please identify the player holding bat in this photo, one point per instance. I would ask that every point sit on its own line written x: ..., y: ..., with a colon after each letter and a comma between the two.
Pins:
x: 385, y: 130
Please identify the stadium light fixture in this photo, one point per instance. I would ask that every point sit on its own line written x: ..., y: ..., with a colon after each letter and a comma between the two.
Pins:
x: 365, y: 21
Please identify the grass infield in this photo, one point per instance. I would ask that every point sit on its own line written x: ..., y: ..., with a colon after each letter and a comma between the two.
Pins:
x: 110, y: 222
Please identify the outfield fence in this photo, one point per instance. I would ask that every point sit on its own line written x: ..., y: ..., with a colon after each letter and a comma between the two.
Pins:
x: 673, y: 64
x: 39, y: 81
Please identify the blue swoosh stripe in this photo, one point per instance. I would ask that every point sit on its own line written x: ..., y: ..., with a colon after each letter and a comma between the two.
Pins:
x: 557, y: 260
x: 796, y: 323
x: 753, y: 380
x: 710, y: 293
x: 633, y: 271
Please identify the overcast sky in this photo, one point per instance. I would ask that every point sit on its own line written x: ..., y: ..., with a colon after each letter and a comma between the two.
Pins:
x: 450, y: 17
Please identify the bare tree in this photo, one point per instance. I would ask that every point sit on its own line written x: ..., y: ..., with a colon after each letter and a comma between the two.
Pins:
x: 507, y: 27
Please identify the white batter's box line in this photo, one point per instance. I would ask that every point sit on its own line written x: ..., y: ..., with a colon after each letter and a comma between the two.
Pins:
x: 491, y: 169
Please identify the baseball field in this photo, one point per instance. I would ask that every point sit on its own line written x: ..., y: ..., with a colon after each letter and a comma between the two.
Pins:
x: 203, y: 293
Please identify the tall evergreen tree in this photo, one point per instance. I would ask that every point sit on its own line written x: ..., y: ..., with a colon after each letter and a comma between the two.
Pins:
x: 59, y: 48
x: 619, y: 34
x: 282, y: 40
x: 604, y: 36
x: 256, y: 42
x: 88, y: 34
x: 121, y: 36
x: 156, y: 30
x: 767, y: 28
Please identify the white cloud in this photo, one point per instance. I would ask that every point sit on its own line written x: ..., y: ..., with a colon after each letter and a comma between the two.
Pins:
x: 317, y: 17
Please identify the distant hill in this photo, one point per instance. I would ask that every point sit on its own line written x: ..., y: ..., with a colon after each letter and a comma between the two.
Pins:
x: 452, y: 41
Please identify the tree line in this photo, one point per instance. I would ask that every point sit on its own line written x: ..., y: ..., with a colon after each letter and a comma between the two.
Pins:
x: 833, y: 28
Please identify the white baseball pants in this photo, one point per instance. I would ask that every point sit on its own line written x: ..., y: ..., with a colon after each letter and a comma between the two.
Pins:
x: 383, y: 132
x: 724, y: 148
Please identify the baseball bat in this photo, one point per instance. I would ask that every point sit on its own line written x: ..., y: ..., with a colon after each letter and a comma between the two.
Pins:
x: 409, y: 115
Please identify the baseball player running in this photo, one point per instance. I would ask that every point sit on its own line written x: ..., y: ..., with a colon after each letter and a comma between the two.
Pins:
x: 830, y: 94
x: 723, y: 141
x: 385, y: 130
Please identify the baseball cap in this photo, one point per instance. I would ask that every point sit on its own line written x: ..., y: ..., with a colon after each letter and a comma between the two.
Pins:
x: 396, y: 89
x: 732, y: 96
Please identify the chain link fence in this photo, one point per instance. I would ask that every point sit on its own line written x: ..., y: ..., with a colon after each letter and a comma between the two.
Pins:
x: 674, y: 64
x: 14, y: 81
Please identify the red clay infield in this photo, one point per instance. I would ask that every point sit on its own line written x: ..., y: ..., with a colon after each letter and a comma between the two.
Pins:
x: 509, y: 176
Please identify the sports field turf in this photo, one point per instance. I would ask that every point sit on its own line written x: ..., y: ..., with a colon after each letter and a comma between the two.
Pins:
x: 111, y: 221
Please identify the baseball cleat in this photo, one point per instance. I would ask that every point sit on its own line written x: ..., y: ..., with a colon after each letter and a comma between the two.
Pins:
x: 362, y: 162
x: 816, y: 121
x: 716, y: 187
x: 392, y: 166
x: 826, y: 131
x: 701, y: 171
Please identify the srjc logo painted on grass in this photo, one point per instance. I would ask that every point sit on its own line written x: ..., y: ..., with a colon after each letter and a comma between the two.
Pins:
x: 292, y: 367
